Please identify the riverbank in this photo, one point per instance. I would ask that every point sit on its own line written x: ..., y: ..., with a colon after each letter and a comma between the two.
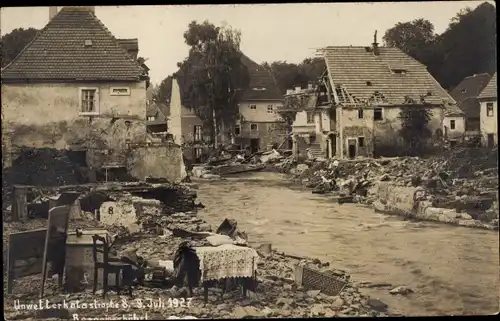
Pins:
x: 459, y: 188
x: 451, y: 270
x: 277, y: 294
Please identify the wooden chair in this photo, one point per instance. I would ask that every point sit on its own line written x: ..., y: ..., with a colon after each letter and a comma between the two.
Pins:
x: 109, y: 265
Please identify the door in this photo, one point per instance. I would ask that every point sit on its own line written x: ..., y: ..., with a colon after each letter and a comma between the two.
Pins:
x: 332, y: 143
x: 351, y: 148
x: 491, y: 140
x: 254, y: 145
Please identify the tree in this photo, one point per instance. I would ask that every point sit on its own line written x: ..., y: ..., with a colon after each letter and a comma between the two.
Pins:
x: 468, y: 46
x: 415, y: 130
x: 289, y: 75
x: 415, y: 38
x: 164, y: 90
x: 213, y: 77
x: 14, y: 42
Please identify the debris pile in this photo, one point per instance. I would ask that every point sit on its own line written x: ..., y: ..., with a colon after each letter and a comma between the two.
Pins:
x: 463, y: 179
x: 277, y: 293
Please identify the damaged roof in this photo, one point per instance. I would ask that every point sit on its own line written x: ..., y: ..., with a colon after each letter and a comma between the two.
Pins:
x: 391, y: 75
x: 131, y: 45
x: 490, y: 91
x: 74, y: 45
x: 262, y: 86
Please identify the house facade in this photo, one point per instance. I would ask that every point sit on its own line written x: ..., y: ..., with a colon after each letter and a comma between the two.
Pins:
x: 156, y: 119
x: 258, y: 126
x: 488, y: 116
x: 454, y: 125
x: 75, y: 86
x: 466, y: 95
x: 360, y: 96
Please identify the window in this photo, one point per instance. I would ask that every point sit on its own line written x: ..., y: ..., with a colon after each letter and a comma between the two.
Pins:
x: 253, y: 106
x: 237, y: 130
x: 253, y: 126
x: 361, y: 141
x: 89, y: 101
x: 368, y: 83
x: 452, y: 124
x: 151, y: 118
x: 270, y: 109
x: 360, y: 113
x: 310, y: 117
x: 377, y: 114
x: 198, y: 152
x: 119, y: 91
x: 489, y: 109
x: 453, y: 143
x: 197, y: 133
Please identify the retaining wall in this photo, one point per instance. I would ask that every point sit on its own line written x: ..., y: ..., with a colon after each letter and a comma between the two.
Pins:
x: 399, y: 200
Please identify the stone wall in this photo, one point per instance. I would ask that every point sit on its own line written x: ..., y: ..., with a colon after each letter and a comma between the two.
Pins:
x: 164, y: 161
x: 48, y: 115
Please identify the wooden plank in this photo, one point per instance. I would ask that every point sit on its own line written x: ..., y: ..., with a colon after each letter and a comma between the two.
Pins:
x: 20, y: 204
x: 27, y: 247
x: 55, y: 241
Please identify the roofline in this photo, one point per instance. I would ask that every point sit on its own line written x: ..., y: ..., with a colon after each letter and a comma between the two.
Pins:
x: 50, y: 21
x: 485, y: 98
x: 258, y: 99
x: 65, y: 80
x: 476, y: 75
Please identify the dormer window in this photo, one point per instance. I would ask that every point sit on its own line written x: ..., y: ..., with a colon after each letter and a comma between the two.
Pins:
x: 259, y: 89
x: 399, y: 71
x: 88, y: 43
x: 368, y: 83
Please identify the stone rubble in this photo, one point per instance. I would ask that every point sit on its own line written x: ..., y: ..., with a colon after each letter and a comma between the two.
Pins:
x: 277, y: 294
x: 464, y: 180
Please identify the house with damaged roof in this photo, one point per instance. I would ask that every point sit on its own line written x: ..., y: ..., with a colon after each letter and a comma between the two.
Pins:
x: 488, y: 99
x: 76, y: 86
x: 355, y: 107
x: 258, y: 126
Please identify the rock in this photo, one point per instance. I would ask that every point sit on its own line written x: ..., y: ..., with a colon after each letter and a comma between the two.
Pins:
x: 265, y: 249
x: 337, y: 302
x: 384, y: 178
x: 313, y: 293
x: 204, y: 227
x: 285, y: 302
x: 377, y: 305
x: 317, y: 310
x: 403, y: 290
x: 267, y: 312
x: 378, y: 206
x: 245, y: 312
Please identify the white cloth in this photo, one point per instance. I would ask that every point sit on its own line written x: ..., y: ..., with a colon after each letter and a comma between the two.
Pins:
x: 226, y: 261
x: 216, y: 240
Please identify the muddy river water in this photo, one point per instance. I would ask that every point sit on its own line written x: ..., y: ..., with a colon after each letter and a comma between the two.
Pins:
x: 452, y: 270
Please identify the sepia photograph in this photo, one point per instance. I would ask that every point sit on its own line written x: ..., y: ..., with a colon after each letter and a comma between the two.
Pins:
x: 250, y: 161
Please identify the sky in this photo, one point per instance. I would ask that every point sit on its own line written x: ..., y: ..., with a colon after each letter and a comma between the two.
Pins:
x: 270, y: 32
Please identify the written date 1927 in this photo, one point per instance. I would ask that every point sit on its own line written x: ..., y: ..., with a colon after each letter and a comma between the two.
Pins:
x: 160, y: 303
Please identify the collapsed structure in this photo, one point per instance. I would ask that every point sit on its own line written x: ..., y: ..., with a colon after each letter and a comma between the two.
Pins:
x: 354, y: 110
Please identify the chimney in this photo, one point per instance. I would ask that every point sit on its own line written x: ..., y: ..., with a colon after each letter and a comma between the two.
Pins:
x: 375, y: 44
x: 298, y: 89
x: 52, y: 12
x: 289, y: 91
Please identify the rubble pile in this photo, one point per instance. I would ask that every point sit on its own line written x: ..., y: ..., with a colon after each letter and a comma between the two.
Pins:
x: 276, y: 295
x: 463, y: 179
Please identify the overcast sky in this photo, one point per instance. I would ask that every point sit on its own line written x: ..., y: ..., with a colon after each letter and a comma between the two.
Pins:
x: 289, y: 32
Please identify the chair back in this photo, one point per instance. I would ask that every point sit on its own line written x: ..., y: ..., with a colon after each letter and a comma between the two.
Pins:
x: 100, y: 245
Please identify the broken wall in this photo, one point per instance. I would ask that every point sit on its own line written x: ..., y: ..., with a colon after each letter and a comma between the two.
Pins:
x: 163, y: 161
x: 381, y: 133
x: 48, y: 115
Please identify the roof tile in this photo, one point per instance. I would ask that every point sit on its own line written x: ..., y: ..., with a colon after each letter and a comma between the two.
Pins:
x: 362, y: 74
x: 58, y: 52
x: 490, y: 91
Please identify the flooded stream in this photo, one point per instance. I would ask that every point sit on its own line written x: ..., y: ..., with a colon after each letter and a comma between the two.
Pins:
x: 452, y: 270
